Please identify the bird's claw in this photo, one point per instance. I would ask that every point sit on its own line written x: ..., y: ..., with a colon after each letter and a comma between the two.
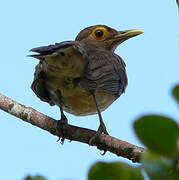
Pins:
x: 61, y: 139
x: 101, y: 130
x: 61, y: 123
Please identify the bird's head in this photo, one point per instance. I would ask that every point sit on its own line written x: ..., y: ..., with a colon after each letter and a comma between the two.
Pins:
x: 105, y: 37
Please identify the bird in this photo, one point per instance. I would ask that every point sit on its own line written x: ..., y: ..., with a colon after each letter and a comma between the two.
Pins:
x: 85, y: 76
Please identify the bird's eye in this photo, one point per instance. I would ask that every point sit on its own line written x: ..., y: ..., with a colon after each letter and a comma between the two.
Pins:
x: 99, y: 33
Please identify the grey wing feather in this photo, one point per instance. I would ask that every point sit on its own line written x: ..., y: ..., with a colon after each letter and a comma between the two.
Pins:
x: 105, y: 71
x: 47, y: 50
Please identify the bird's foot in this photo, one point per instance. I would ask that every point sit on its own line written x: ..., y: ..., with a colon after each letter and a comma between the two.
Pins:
x: 60, y: 125
x: 94, y: 139
x: 101, y: 130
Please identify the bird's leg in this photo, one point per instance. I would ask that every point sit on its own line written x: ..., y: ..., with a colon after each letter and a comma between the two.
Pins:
x: 63, y: 119
x: 102, y: 127
x: 62, y: 122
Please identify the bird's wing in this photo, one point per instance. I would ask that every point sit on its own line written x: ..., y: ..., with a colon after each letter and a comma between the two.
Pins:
x: 39, y: 82
x: 48, y: 50
x: 105, y: 71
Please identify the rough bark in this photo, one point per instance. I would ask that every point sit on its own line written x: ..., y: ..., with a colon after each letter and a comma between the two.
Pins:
x: 73, y: 133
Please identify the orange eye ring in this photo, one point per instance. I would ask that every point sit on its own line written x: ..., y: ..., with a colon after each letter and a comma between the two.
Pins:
x: 100, y: 33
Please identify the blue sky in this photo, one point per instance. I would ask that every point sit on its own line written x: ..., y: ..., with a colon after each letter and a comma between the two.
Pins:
x: 152, y: 61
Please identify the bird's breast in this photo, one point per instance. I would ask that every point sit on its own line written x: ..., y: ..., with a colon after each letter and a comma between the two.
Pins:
x: 75, y: 99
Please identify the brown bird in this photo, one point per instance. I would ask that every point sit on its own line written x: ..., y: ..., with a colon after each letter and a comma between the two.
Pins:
x: 85, y: 76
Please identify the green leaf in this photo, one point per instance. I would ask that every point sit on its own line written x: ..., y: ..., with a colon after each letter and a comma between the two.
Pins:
x: 34, y: 178
x: 158, y: 133
x: 175, y: 93
x: 174, y: 176
x: 113, y: 171
x: 156, y: 166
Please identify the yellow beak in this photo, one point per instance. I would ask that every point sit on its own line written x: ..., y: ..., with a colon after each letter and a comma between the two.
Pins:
x: 124, y: 35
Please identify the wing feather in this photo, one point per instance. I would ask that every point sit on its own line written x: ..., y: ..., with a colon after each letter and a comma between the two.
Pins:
x: 105, y: 71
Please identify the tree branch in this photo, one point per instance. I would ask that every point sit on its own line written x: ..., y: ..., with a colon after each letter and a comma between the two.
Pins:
x: 73, y: 133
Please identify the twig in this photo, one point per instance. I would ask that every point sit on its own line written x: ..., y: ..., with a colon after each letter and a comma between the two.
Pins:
x: 73, y: 133
x: 177, y: 1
